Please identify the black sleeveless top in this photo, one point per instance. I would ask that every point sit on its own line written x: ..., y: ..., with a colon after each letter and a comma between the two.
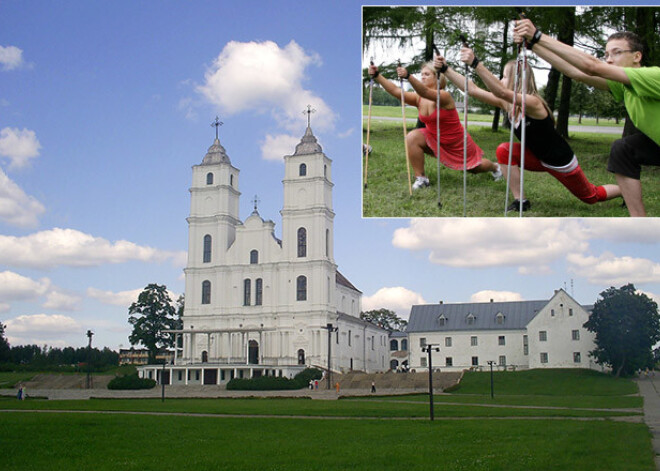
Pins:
x: 544, y: 141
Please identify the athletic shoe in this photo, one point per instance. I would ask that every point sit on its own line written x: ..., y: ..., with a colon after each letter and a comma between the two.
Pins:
x: 497, y: 174
x: 364, y: 149
x: 515, y: 206
x: 421, y: 182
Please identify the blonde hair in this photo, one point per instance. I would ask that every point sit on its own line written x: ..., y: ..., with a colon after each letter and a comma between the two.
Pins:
x: 443, y: 79
x: 510, y: 70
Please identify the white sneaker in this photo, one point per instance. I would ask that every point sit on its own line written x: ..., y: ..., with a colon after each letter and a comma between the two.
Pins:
x: 421, y: 182
x: 497, y: 174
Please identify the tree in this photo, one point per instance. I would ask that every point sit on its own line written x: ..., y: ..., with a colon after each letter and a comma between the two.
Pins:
x: 385, y: 319
x: 153, y: 313
x: 627, y: 326
x: 5, y: 355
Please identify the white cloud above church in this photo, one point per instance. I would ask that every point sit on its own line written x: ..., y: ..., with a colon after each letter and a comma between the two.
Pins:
x: 11, y: 57
x: 16, y: 207
x: 19, y: 146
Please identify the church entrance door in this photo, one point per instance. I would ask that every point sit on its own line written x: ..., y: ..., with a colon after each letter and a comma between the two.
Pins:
x: 253, y: 352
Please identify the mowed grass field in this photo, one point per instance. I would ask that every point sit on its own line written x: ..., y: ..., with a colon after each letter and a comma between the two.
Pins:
x: 387, y: 192
x: 548, y: 420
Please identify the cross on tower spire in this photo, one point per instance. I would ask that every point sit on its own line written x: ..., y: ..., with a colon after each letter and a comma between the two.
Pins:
x: 309, y: 112
x: 217, y: 123
x: 256, y: 202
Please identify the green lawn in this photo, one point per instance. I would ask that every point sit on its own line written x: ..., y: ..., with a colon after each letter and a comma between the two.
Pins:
x: 9, y: 378
x: 371, y: 433
x: 387, y: 191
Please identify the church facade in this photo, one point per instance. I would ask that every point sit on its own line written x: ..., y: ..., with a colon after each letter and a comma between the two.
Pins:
x: 259, y: 305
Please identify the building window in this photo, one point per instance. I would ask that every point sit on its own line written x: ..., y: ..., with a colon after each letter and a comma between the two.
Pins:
x: 247, y: 288
x: 231, y: 180
x: 575, y: 335
x: 302, y: 242
x: 325, y: 171
x: 570, y: 311
x: 525, y: 345
x: 327, y: 242
x: 404, y: 345
x: 254, y: 257
x: 543, y: 336
x: 544, y: 357
x: 301, y: 288
x: 552, y: 312
x: 422, y: 342
x: 442, y: 320
x: 577, y: 358
x: 470, y: 319
x: 209, y: 179
x: 475, y: 361
x: 349, y: 338
x: 259, y: 289
x: 449, y: 361
x: 206, y: 292
x: 207, y: 249
x: 302, y: 170
x: 499, y: 318
x: 501, y: 340
x: 473, y: 341
x: 422, y: 361
x: 502, y: 360
x: 447, y: 341
x: 394, y: 345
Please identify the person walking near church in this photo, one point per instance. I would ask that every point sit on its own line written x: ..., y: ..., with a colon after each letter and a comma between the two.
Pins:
x: 373, y: 386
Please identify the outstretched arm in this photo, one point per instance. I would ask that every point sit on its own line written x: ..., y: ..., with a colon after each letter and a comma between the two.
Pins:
x: 424, y: 91
x: 581, y: 60
x: 567, y: 69
x: 389, y: 87
x: 473, y: 90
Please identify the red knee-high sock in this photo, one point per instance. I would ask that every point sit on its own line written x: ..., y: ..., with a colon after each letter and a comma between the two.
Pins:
x: 578, y: 184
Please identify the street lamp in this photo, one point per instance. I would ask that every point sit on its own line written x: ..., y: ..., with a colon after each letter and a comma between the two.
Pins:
x: 428, y: 349
x: 89, y: 359
x: 331, y: 329
x: 491, y: 362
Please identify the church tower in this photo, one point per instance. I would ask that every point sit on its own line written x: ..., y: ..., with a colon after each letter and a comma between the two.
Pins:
x: 213, y: 219
x: 308, y: 218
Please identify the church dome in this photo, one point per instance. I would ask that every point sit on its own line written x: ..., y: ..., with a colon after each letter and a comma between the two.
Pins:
x: 216, y: 154
x: 308, y: 144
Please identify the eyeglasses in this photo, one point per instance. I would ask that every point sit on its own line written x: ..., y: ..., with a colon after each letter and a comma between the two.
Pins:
x: 616, y: 53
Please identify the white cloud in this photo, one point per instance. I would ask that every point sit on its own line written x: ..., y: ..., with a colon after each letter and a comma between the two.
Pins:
x: 477, y: 243
x: 348, y: 132
x: 276, y: 147
x: 262, y: 77
x: 121, y: 298
x: 19, y: 145
x: 16, y: 207
x: 497, y: 296
x: 47, y: 249
x: 627, y: 230
x: 11, y: 57
x: 608, y: 269
x: 62, y: 301
x: 41, y: 324
x: 397, y: 299
x: 15, y: 287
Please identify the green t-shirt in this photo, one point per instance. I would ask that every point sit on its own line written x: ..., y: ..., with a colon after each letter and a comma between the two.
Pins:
x: 641, y: 98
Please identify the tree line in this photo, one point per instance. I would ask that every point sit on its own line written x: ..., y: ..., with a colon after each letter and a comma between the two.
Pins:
x: 488, y: 32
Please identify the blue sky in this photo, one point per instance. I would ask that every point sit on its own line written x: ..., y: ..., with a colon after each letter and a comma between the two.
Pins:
x: 106, y: 106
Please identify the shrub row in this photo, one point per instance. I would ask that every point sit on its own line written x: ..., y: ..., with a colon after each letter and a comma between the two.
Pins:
x: 273, y: 383
x: 131, y: 381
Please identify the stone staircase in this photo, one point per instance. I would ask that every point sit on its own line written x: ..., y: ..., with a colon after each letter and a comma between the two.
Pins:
x: 396, y: 381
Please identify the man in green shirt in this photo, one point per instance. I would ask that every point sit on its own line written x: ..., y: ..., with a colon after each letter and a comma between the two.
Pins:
x: 623, y: 75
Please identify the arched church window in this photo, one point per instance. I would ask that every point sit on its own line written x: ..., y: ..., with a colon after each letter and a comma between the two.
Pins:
x: 247, y: 287
x: 206, y: 292
x: 325, y: 171
x: 209, y: 178
x: 254, y: 257
x: 327, y: 242
x: 302, y: 242
x: 404, y: 345
x: 207, y: 248
x: 258, y: 292
x: 205, y: 356
x: 301, y: 288
x: 302, y: 170
x: 231, y: 180
x: 394, y: 345
x: 301, y: 357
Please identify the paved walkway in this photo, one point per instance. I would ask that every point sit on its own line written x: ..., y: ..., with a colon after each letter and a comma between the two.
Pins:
x: 649, y: 388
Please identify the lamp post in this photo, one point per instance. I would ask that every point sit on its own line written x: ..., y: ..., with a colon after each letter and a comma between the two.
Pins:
x: 89, y: 359
x: 491, y: 362
x: 331, y: 329
x: 428, y: 349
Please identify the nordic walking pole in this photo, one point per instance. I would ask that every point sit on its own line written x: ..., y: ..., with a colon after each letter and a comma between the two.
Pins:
x: 523, y: 91
x: 511, y: 134
x: 437, y: 126
x: 465, y: 126
x: 366, y: 163
x: 405, y: 130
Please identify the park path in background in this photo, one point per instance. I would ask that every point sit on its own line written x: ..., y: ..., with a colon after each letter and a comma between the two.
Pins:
x: 649, y: 388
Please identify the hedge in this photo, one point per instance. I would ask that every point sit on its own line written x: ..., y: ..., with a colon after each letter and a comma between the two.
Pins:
x: 274, y: 383
x: 131, y: 381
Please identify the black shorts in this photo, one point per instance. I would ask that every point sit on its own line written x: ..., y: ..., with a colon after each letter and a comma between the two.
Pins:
x: 629, y: 153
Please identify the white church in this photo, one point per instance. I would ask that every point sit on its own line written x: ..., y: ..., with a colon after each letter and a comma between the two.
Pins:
x: 258, y: 305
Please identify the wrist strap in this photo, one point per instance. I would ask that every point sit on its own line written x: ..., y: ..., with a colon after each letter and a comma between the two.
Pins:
x: 443, y: 69
x: 407, y: 75
x: 375, y: 75
x: 536, y: 38
x: 475, y: 63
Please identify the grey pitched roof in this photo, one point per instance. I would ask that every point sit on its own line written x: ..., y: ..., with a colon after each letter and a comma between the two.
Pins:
x: 216, y: 154
x: 342, y: 280
x: 517, y: 315
x: 308, y: 144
